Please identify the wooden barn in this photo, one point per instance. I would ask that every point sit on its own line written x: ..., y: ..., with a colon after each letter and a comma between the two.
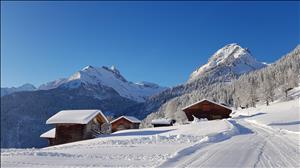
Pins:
x: 75, y: 125
x: 162, y: 122
x: 207, y: 109
x: 125, y: 122
x: 50, y: 135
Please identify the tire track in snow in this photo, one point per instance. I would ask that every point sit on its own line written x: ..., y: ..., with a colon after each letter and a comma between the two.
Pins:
x: 285, y: 150
x: 210, y: 139
x: 250, y: 146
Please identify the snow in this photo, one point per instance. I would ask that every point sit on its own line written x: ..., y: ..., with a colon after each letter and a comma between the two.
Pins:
x: 129, y: 118
x: 129, y: 148
x: 265, y: 136
x: 74, y: 116
x: 52, y: 84
x: 232, y: 55
x: 251, y: 146
x: 279, y: 115
x: 161, y: 121
x: 49, y: 134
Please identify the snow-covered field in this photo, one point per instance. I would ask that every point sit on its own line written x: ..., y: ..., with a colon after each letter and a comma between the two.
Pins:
x: 265, y: 136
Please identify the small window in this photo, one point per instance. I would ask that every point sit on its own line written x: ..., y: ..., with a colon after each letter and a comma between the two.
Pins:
x: 214, y: 117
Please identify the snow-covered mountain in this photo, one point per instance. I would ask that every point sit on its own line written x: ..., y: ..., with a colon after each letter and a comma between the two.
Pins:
x: 225, y: 65
x: 263, y: 85
x: 109, y: 77
x: 231, y: 58
x: 25, y: 87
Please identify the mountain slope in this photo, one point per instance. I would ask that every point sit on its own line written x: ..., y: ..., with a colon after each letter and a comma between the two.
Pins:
x: 25, y: 87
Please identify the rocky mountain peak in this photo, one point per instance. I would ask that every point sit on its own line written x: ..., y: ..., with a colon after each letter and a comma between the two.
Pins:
x: 230, y: 58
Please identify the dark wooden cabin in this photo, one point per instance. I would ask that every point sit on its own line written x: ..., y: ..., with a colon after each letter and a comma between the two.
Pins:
x: 50, y: 136
x: 162, y: 122
x: 75, y: 125
x: 125, y: 122
x: 207, y: 109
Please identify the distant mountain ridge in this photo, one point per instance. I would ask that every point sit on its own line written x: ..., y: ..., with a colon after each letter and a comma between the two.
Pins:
x: 25, y: 87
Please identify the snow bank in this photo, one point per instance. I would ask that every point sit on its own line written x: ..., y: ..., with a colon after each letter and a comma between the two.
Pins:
x: 279, y: 115
x: 161, y: 121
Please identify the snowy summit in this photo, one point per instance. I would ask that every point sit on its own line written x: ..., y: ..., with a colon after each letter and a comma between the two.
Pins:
x: 233, y: 57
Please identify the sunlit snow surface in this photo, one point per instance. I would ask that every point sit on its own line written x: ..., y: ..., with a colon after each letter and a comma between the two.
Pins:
x: 266, y: 136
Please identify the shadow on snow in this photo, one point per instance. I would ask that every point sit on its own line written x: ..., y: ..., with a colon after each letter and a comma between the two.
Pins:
x: 246, y: 116
x: 287, y: 123
x: 141, y: 133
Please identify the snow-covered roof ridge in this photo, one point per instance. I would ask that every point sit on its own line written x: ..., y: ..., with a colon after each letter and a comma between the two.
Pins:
x: 49, y: 134
x: 75, y: 116
x: 129, y: 118
x: 233, y: 56
x: 161, y: 121
x: 205, y: 100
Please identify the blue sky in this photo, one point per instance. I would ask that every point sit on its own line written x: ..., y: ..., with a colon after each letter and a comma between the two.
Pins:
x: 161, y: 42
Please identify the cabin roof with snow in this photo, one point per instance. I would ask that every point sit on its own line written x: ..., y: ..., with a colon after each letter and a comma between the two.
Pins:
x: 49, y: 134
x: 75, y: 117
x: 200, y: 101
x: 161, y: 121
x: 129, y: 118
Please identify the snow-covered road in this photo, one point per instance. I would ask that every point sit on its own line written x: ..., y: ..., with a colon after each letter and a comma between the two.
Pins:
x: 255, y: 146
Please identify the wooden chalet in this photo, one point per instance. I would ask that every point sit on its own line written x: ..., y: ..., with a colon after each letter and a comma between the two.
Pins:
x: 125, y: 122
x: 207, y: 109
x: 75, y: 125
x: 162, y: 122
